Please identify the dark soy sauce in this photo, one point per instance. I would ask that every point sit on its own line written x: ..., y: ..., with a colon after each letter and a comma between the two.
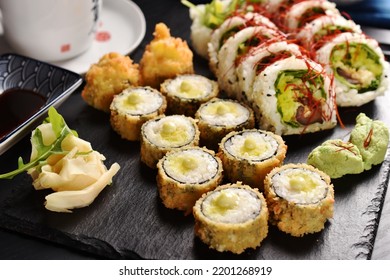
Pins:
x: 16, y: 106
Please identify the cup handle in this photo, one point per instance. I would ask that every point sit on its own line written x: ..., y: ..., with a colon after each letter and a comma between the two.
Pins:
x: 1, y: 24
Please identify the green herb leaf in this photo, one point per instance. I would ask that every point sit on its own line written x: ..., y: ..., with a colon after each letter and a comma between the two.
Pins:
x: 60, y: 129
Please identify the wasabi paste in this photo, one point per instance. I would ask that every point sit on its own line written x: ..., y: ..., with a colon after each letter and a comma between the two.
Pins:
x: 337, y: 158
x: 372, y: 138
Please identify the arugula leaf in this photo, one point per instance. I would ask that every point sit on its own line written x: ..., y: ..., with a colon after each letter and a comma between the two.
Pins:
x: 60, y: 129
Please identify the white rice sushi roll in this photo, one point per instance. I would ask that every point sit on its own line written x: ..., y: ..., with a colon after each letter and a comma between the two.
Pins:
x: 186, y: 93
x: 218, y: 117
x: 258, y: 59
x: 233, y: 50
x: 206, y: 18
x: 294, y: 96
x: 359, y: 68
x: 300, y: 198
x: 134, y: 106
x: 273, y: 6
x: 185, y: 174
x: 233, y: 218
x: 166, y: 133
x: 305, y: 12
x: 249, y: 155
x: 314, y: 35
x: 200, y: 33
x: 228, y: 28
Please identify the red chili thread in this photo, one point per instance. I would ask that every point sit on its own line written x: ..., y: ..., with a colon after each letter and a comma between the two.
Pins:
x: 367, y: 141
x: 345, y: 148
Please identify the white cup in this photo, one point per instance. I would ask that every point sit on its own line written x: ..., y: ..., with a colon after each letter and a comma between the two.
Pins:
x: 50, y: 30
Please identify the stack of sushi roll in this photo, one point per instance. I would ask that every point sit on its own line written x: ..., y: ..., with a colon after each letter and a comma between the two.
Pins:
x: 130, y: 109
x: 321, y: 30
x: 228, y: 28
x: 258, y: 59
x: 233, y: 49
x: 218, y: 117
x: 300, y: 198
x: 354, y: 60
x: 249, y: 155
x: 359, y: 68
x: 344, y: 67
x: 300, y: 13
x: 185, y: 174
x: 165, y: 133
x: 294, y: 96
x: 205, y: 18
x: 233, y: 217
x: 185, y: 93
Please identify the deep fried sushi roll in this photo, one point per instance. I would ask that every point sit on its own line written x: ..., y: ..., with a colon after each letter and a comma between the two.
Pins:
x: 300, y: 198
x: 186, y: 93
x: 165, y: 133
x: 233, y: 217
x: 218, y: 117
x: 185, y: 174
x: 165, y: 57
x: 249, y: 155
x: 106, y: 78
x: 132, y: 108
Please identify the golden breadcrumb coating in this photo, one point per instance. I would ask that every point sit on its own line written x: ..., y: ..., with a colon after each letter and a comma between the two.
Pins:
x: 111, y: 75
x: 165, y: 57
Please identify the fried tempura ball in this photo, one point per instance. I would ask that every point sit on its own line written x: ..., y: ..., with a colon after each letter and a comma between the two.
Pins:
x: 111, y: 75
x: 165, y: 57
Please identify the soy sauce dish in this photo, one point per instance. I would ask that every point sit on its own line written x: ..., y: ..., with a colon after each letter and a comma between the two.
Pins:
x: 28, y: 87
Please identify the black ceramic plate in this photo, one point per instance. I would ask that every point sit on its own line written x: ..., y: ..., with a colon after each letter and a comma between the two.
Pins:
x: 53, y: 83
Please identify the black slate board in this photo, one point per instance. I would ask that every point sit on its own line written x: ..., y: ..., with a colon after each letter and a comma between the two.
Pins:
x: 128, y: 220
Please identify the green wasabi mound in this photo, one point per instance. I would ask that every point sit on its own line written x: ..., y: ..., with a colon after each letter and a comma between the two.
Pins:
x: 337, y: 158
x: 372, y: 138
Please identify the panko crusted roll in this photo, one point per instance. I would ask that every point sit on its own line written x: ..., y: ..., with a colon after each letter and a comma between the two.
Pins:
x: 186, y: 93
x: 233, y: 217
x: 218, y: 117
x: 294, y: 96
x: 249, y: 155
x: 359, y: 68
x: 185, y: 174
x: 300, y: 198
x: 132, y: 108
x: 165, y: 133
x: 113, y: 73
x: 164, y: 57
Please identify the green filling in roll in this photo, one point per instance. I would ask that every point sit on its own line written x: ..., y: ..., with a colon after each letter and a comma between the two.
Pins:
x: 300, y: 96
x: 229, y: 33
x: 357, y: 66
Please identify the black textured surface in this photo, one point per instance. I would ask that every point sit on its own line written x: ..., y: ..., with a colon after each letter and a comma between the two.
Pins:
x: 51, y: 82
x: 128, y: 220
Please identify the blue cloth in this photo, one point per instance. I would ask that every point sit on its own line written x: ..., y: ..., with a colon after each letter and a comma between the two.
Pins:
x: 374, y: 13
